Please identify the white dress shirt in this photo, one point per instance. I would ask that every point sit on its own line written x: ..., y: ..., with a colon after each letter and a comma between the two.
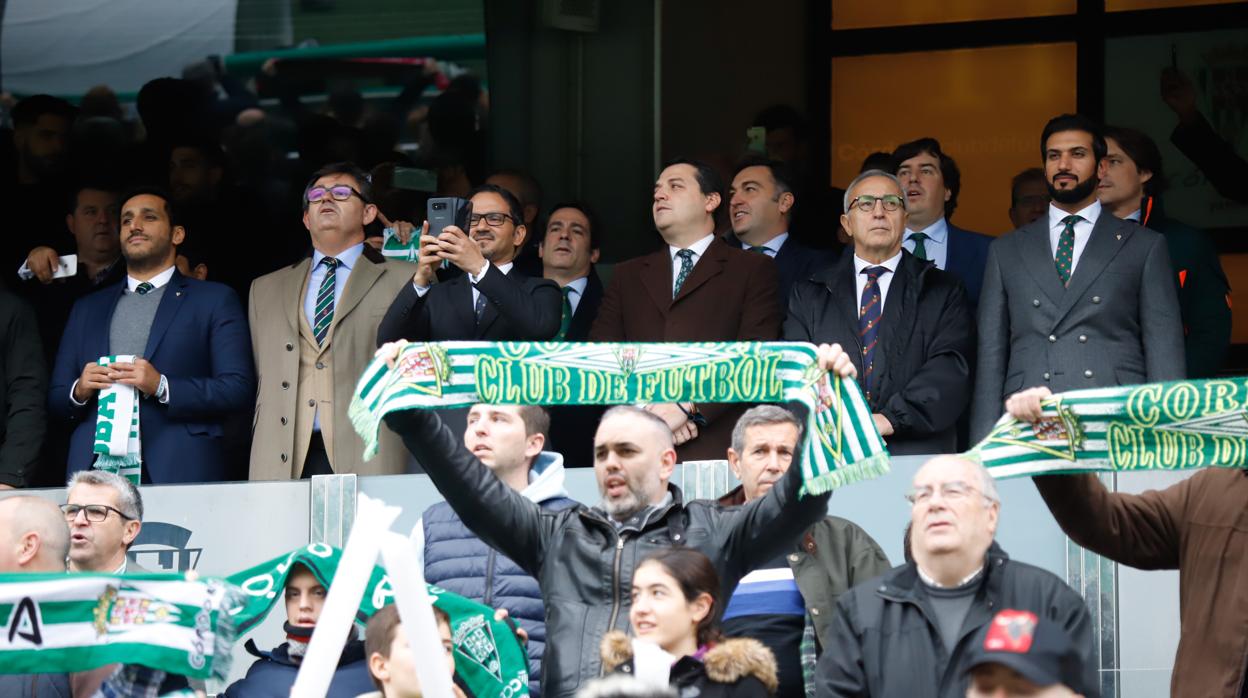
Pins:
x: 936, y: 244
x: 347, y: 259
x: 473, y: 279
x: 578, y: 290
x: 698, y: 248
x: 885, y: 280
x: 1083, y: 230
x: 156, y: 281
x: 771, y: 248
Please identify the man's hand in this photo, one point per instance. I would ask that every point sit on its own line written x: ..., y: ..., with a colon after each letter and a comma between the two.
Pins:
x: 1025, y: 404
x: 390, y: 352
x: 501, y: 614
x: 92, y: 380
x: 669, y: 412
x: 402, y: 229
x: 141, y: 374
x: 6, y: 487
x: 834, y: 360
x: 43, y: 263
x: 685, y: 433
x: 428, y: 260
x: 882, y: 424
x: 461, y: 250
x: 1178, y: 94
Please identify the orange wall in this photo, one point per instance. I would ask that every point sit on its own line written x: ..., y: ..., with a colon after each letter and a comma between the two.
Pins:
x: 987, y: 107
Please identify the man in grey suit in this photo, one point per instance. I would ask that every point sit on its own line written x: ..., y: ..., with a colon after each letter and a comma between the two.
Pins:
x: 1077, y: 298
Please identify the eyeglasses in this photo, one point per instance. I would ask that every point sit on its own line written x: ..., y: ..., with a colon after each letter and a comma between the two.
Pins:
x: 491, y: 219
x: 341, y: 192
x: 866, y: 202
x: 95, y: 512
x: 952, y: 491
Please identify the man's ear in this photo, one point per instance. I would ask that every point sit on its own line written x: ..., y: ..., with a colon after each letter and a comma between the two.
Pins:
x: 178, y: 235
x: 28, y: 549
x: 786, y: 201
x: 69, y: 223
x: 593, y: 257
x: 131, y: 531
x: 379, y: 667
x: 713, y: 201
x: 520, y: 235
x: 533, y: 444
x: 734, y: 463
x: 370, y: 214
x: 1145, y: 176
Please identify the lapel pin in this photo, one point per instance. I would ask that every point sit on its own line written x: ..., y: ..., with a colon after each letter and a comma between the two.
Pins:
x: 1119, y: 236
x: 177, y: 293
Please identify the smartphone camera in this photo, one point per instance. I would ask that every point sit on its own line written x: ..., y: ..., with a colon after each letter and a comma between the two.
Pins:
x: 439, y: 206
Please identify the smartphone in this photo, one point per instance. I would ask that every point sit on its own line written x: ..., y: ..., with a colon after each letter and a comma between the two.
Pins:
x: 444, y: 211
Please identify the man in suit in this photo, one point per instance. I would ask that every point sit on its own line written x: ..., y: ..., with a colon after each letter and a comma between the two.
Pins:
x: 760, y: 205
x: 1129, y: 189
x: 1029, y: 196
x: 932, y: 182
x: 488, y: 300
x: 314, y: 328
x: 23, y: 393
x: 1077, y: 299
x: 905, y: 324
x: 569, y: 251
x: 192, y: 363
x: 696, y: 289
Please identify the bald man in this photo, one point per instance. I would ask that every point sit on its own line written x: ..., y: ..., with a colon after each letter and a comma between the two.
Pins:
x: 33, y: 536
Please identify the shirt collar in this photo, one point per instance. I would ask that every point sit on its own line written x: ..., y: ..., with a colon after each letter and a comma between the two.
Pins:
x: 505, y: 268
x: 347, y: 258
x: 933, y: 583
x: 1089, y: 213
x: 121, y: 569
x: 889, y: 264
x: 156, y: 281
x: 1134, y: 216
x: 773, y: 244
x: 936, y: 232
x: 699, y: 247
x: 578, y: 285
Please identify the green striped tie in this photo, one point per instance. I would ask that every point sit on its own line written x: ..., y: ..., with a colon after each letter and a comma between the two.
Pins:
x: 565, y: 323
x: 325, y: 302
x: 144, y: 288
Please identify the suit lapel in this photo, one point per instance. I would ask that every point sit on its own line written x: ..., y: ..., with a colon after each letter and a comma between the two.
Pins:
x: 656, y: 276
x: 1108, y: 236
x: 459, y: 303
x: 708, y: 266
x: 587, y: 308
x: 488, y: 315
x: 293, y: 291
x: 1037, y: 255
x: 954, y: 257
x: 170, y: 304
x: 363, y: 276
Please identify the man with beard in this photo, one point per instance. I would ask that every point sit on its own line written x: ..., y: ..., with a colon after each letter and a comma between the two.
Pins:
x: 1078, y: 298
x: 192, y: 362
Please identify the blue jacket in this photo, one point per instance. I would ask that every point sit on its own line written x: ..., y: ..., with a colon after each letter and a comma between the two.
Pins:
x: 272, y: 675
x: 968, y: 255
x: 457, y: 560
x: 199, y: 341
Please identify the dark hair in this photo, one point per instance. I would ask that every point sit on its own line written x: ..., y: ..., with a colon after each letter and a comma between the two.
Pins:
x: 513, y: 203
x: 173, y: 212
x: 1074, y: 122
x: 536, y: 419
x: 695, y: 574
x: 780, y: 172
x: 948, y: 168
x: 1143, y: 152
x: 71, y: 200
x: 879, y: 160
x: 28, y: 111
x: 780, y: 116
x: 1031, y: 174
x: 708, y: 179
x: 363, y: 181
x: 907, y: 553
x: 379, y: 633
x: 212, y: 152
x: 595, y: 225
x: 529, y: 191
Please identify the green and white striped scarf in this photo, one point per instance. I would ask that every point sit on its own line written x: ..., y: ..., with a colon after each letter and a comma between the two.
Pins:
x: 75, y: 622
x: 1158, y: 426
x: 118, y: 445
x: 842, y: 446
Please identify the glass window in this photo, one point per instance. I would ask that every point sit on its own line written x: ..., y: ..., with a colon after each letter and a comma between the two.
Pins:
x: 1119, y: 5
x: 856, y: 14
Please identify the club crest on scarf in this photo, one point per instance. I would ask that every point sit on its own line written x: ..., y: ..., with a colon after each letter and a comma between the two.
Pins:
x: 117, y: 609
x: 426, y: 369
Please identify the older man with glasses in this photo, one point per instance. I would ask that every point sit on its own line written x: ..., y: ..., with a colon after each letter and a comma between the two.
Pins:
x: 910, y: 632
x: 906, y: 324
x: 104, y: 512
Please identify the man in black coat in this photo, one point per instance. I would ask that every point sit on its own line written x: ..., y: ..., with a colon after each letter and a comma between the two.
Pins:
x: 487, y: 301
x: 23, y: 393
x: 906, y: 324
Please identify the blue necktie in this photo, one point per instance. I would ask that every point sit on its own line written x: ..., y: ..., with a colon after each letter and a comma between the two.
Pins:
x: 869, y: 323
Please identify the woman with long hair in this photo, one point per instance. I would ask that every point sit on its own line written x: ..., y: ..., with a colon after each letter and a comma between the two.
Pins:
x: 675, y: 603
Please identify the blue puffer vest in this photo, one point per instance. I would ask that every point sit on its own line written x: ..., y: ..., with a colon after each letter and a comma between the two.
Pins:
x: 458, y: 561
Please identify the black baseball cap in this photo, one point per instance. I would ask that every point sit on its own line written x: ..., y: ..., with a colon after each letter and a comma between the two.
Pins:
x: 1038, y: 649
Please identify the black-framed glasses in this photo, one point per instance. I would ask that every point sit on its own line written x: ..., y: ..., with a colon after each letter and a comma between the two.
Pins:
x: 339, y: 192
x: 95, y: 512
x: 491, y: 219
x: 866, y: 202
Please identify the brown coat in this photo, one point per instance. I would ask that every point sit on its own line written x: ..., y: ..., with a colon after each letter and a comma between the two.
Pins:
x: 729, y: 297
x: 292, y: 369
x: 1198, y: 526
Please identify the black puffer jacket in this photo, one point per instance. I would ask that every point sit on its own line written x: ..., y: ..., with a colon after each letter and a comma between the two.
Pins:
x: 582, y: 562
x: 885, y: 643
x: 738, y: 668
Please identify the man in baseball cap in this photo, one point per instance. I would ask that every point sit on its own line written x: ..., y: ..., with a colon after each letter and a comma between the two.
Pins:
x: 1020, y: 654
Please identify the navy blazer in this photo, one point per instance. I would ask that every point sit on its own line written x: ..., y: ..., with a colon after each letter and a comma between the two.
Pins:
x: 794, y: 262
x: 200, y: 342
x: 967, y: 257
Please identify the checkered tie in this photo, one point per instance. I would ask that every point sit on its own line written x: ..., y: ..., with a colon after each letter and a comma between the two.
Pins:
x: 686, y: 266
x: 920, y: 250
x: 1065, y: 258
x: 144, y: 288
x: 869, y: 323
x: 324, y: 315
x: 566, y: 317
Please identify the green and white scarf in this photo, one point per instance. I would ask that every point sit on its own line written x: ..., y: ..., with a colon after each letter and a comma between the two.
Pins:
x: 1158, y: 426
x: 842, y: 445
x: 488, y: 657
x: 75, y: 622
x: 118, y: 446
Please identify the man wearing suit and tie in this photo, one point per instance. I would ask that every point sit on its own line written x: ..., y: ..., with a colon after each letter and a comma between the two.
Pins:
x: 760, y: 206
x: 568, y: 252
x: 489, y: 300
x: 696, y: 289
x: 932, y: 182
x: 192, y: 362
x: 314, y: 329
x: 1078, y: 298
x: 905, y: 324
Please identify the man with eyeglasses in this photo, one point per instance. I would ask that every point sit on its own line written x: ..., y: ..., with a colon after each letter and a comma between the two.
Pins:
x: 313, y: 328
x: 912, y: 631
x: 104, y: 512
x: 906, y: 324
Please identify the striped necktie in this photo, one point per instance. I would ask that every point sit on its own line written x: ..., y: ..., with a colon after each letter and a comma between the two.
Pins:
x: 565, y: 323
x: 920, y: 250
x: 324, y: 315
x: 869, y: 313
x: 1065, y: 258
x: 686, y: 266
